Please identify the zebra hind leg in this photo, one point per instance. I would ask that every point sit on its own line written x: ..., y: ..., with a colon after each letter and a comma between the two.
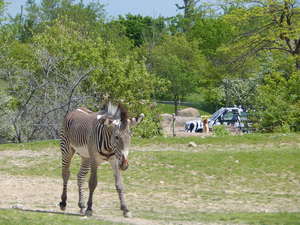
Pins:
x: 67, y: 155
x: 84, y: 169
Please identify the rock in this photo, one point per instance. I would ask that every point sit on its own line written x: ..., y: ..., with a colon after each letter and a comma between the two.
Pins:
x: 17, y: 206
x: 192, y: 144
x: 189, y: 112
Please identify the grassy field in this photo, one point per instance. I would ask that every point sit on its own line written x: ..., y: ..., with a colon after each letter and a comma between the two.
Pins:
x: 249, y: 179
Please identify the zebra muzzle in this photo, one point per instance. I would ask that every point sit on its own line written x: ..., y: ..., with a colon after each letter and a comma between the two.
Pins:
x: 124, y: 163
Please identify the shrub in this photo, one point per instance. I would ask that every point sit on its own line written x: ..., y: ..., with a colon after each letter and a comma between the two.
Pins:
x: 278, y: 103
x: 221, y: 130
x: 150, y: 126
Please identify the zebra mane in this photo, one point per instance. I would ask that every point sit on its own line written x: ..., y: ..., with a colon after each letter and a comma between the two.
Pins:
x: 118, y: 112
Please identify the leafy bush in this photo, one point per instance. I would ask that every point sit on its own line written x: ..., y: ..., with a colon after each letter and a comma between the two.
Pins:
x: 150, y: 126
x: 221, y: 130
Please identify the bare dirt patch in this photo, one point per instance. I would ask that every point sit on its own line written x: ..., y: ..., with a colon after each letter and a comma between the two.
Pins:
x: 36, y: 193
x: 25, y: 153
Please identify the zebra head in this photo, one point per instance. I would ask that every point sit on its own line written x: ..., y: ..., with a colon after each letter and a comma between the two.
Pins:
x: 121, y: 134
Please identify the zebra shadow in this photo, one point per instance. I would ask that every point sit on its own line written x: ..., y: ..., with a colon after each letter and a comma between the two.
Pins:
x: 46, y: 211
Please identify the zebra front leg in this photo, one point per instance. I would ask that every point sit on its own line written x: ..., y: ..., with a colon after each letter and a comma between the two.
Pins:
x: 119, y: 187
x: 84, y: 169
x: 67, y: 155
x: 92, y: 186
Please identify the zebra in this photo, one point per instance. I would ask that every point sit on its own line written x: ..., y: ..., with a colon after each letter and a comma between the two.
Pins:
x: 97, y: 137
x: 193, y: 126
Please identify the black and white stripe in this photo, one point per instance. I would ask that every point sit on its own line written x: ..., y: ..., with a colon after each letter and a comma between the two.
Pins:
x: 194, y: 126
x: 96, y: 137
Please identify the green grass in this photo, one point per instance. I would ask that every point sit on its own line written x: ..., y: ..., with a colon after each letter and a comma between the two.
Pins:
x: 16, y: 217
x: 234, y: 218
x: 34, y: 146
x: 216, y: 160
x: 230, y: 140
x: 268, y: 167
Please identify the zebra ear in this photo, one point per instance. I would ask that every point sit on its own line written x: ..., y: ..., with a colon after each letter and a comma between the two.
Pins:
x: 136, y: 120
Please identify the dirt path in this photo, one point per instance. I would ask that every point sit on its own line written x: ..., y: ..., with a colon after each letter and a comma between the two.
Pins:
x: 43, y: 194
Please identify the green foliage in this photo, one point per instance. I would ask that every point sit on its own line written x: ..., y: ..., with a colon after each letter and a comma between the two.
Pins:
x: 48, y: 48
x: 221, y: 131
x: 2, y: 9
x: 278, y: 103
x: 42, y: 14
x: 211, y: 33
x: 115, y: 33
x: 240, y: 92
x: 139, y: 28
x: 271, y: 26
x: 179, y: 62
x: 124, y: 78
x: 213, y: 98
x: 150, y: 126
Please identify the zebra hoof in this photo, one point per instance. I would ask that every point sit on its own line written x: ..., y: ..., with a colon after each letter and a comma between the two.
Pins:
x: 127, y: 214
x: 89, y: 212
x: 62, y: 206
x: 82, y: 211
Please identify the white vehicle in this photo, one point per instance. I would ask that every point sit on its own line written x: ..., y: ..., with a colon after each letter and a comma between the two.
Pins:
x: 234, y: 116
x: 231, y: 116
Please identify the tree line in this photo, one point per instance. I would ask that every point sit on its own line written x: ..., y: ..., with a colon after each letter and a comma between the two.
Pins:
x: 56, y: 55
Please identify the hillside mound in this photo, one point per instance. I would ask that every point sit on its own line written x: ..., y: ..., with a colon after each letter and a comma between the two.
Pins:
x: 189, y: 112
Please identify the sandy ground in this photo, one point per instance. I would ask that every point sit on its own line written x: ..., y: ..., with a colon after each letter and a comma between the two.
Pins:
x: 43, y: 194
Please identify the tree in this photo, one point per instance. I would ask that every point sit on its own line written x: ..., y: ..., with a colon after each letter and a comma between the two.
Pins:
x: 189, y: 7
x: 2, y: 10
x: 268, y: 25
x: 180, y: 63
x: 139, y: 28
x: 189, y: 14
x: 277, y: 105
x: 62, y: 68
x: 43, y: 82
x: 211, y: 33
x: 240, y: 92
x: 37, y: 16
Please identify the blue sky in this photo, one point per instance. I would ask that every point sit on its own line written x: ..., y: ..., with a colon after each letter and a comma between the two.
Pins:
x: 114, y: 8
